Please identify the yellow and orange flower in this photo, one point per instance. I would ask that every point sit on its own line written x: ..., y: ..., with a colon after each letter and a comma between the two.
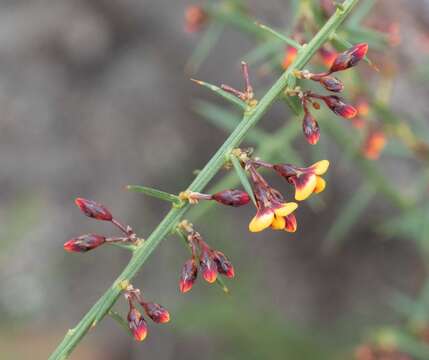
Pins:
x: 272, y: 210
x: 273, y: 216
x: 306, y: 180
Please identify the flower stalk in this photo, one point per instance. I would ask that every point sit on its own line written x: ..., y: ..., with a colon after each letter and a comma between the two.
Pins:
x: 142, y: 252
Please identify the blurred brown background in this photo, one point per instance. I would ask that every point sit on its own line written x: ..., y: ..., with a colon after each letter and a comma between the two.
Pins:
x: 93, y: 96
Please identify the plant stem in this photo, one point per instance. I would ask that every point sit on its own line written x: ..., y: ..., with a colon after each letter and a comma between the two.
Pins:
x: 142, y: 252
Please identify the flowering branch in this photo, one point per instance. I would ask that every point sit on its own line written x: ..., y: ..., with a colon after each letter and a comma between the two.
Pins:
x: 143, y: 250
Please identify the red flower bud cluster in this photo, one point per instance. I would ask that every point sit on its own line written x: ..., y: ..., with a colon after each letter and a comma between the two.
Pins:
x: 209, y: 262
x: 88, y: 242
x: 342, y: 61
x: 136, y: 321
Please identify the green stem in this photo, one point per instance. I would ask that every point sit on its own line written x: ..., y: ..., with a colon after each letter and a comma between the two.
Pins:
x: 140, y: 255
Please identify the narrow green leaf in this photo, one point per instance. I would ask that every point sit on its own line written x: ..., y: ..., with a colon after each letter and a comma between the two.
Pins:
x: 360, y: 13
x: 226, y: 95
x: 236, y: 19
x: 120, y: 320
x: 222, y: 284
x: 411, y: 224
x: 280, y: 36
x: 162, y: 195
x: 375, y: 39
x: 242, y: 176
x: 225, y: 120
x: 263, y: 50
x: 293, y: 103
x: 202, y: 50
x: 129, y: 247
x: 348, y: 216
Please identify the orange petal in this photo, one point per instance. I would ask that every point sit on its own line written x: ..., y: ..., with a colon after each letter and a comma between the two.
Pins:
x: 304, y: 185
x: 286, y: 209
x: 261, y: 221
x: 291, y: 224
x: 278, y: 223
x: 320, y: 167
x: 320, y: 185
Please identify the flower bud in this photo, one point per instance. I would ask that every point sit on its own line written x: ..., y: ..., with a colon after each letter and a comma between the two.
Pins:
x: 84, y: 243
x: 234, y: 198
x: 339, y: 107
x: 208, y: 266
x: 188, y: 276
x: 93, y: 209
x: 224, y: 266
x: 331, y: 83
x: 349, y: 58
x: 311, y: 129
x: 156, y: 312
x: 137, y: 324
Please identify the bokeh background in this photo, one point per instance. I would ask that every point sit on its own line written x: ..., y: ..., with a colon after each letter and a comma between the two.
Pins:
x: 94, y: 96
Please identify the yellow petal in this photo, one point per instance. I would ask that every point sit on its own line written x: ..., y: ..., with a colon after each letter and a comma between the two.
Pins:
x: 320, y: 167
x: 320, y: 185
x: 278, y: 223
x: 261, y: 221
x: 286, y: 209
x: 304, y: 190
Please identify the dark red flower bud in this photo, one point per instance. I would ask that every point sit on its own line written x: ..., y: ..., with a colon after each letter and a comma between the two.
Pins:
x: 156, y: 312
x: 208, y: 266
x: 339, y: 107
x: 224, y: 266
x: 137, y: 324
x: 311, y: 129
x: 93, y: 209
x: 349, y: 58
x: 188, y: 276
x: 232, y: 197
x: 331, y: 83
x: 84, y: 243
